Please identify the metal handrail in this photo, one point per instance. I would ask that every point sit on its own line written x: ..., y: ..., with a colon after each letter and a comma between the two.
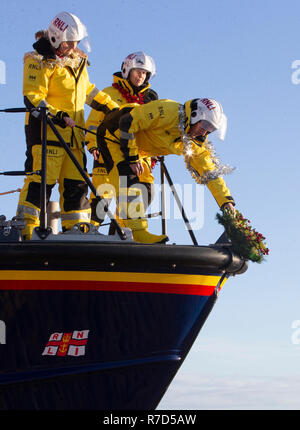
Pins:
x: 43, y: 214
x: 46, y: 120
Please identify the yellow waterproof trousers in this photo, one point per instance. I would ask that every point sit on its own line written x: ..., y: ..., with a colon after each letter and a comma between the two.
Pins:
x: 101, y: 181
x: 72, y: 189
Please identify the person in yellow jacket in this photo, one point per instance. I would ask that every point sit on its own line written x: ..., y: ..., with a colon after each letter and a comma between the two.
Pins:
x: 130, y: 85
x: 159, y: 128
x: 56, y: 77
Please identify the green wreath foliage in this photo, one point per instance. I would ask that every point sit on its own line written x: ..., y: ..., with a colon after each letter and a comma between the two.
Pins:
x: 246, y: 241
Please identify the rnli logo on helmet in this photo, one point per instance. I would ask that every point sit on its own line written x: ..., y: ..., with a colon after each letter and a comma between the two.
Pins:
x: 63, y: 344
x: 208, y: 103
x: 61, y: 25
x: 131, y: 56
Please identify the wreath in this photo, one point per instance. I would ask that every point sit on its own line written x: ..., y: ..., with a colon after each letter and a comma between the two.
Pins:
x: 246, y: 241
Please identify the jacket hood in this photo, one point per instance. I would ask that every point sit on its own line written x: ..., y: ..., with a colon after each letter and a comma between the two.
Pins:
x: 188, y: 111
x: 43, y: 47
x: 45, y: 55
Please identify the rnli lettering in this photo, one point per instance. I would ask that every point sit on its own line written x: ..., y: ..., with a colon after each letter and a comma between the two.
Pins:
x: 101, y: 171
x: 131, y: 56
x: 62, y: 344
x: 51, y: 350
x: 208, y: 103
x: 56, y: 336
x: 34, y: 66
x: 52, y: 151
x: 61, y: 25
x: 161, y: 111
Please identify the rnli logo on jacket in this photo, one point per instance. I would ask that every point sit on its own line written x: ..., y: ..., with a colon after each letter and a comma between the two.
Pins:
x: 63, y: 344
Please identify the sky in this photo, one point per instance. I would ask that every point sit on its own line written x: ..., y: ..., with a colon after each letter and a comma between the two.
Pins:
x: 244, y: 54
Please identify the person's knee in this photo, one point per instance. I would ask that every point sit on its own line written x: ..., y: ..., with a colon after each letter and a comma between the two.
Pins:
x: 75, y: 195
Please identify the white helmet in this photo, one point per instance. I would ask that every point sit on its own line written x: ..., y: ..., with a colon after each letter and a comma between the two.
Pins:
x: 66, y: 27
x: 209, y: 110
x: 138, y: 60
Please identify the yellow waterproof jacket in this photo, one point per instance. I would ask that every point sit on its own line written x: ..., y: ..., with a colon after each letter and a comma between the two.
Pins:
x: 153, y: 130
x: 96, y: 117
x: 60, y: 84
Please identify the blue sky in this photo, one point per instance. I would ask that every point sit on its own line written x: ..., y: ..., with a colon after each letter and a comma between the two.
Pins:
x: 240, y: 53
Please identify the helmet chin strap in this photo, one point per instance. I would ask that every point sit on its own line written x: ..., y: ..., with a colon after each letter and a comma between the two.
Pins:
x: 200, y: 138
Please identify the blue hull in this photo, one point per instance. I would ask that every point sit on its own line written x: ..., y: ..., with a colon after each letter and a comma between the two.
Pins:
x: 98, y: 345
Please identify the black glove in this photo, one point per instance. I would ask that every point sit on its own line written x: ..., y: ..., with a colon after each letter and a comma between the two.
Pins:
x: 110, y: 123
x: 58, y: 119
x: 112, y: 119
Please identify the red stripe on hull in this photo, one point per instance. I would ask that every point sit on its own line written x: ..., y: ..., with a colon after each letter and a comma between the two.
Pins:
x: 198, y: 290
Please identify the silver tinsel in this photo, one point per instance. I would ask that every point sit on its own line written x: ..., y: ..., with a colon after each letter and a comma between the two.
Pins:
x: 210, y: 175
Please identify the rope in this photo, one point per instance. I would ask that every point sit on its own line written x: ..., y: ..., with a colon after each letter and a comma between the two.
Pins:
x: 18, y: 190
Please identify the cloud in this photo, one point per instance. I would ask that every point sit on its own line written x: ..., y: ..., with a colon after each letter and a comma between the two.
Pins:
x: 192, y: 391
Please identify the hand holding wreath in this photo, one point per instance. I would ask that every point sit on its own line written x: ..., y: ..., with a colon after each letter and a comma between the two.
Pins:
x: 246, y: 241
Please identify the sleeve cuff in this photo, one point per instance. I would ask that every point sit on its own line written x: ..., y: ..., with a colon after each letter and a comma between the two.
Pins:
x: 133, y: 158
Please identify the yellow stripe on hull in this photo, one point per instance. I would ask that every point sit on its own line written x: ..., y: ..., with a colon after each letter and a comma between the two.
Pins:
x: 162, y: 278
